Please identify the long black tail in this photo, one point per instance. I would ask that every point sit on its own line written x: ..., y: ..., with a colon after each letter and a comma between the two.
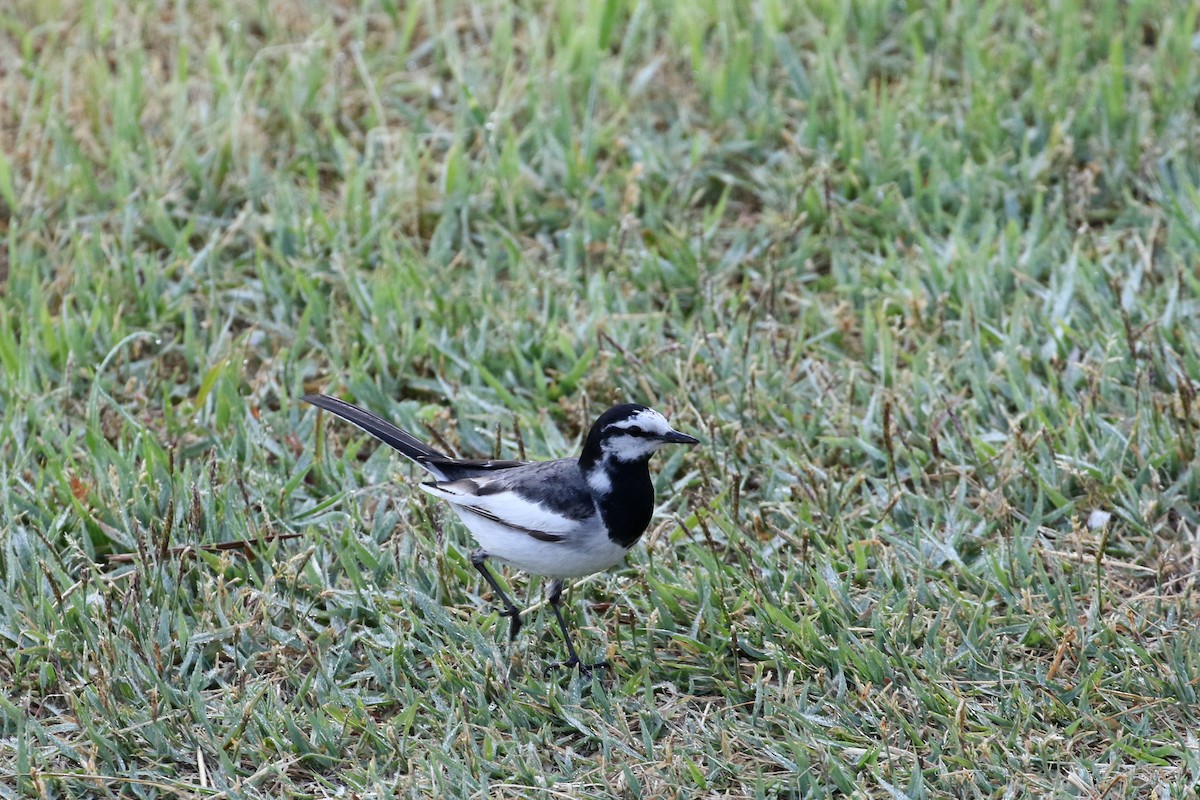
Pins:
x: 412, y: 447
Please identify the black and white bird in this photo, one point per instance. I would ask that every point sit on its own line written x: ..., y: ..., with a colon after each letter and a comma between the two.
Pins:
x: 561, y: 519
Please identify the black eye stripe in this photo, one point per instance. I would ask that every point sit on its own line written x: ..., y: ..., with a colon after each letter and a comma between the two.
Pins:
x: 634, y: 431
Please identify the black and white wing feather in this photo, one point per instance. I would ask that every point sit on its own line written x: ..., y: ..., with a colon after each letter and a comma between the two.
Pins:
x: 547, y: 500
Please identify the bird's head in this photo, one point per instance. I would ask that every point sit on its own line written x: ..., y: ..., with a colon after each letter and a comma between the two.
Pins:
x: 630, y: 433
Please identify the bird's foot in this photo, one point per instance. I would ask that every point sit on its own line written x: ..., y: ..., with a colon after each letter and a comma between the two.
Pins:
x: 514, y: 621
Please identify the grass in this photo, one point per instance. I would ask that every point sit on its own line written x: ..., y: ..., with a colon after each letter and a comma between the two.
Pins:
x: 922, y: 276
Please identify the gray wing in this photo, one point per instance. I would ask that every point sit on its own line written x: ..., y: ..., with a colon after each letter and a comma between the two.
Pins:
x: 545, y: 495
x: 458, y: 468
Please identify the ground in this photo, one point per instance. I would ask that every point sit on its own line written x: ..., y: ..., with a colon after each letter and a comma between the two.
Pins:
x: 923, y: 278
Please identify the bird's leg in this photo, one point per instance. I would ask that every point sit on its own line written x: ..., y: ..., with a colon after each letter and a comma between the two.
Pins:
x: 479, y: 561
x: 555, y: 598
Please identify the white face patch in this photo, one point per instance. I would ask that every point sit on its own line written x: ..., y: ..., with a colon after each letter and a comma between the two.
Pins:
x: 629, y: 448
x: 646, y: 429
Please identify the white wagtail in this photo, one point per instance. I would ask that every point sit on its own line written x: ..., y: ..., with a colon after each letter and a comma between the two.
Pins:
x: 561, y: 519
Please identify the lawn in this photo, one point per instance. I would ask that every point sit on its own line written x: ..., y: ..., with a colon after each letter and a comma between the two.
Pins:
x: 923, y: 277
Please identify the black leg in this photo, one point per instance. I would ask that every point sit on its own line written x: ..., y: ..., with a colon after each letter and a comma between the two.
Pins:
x: 555, y: 598
x: 479, y: 561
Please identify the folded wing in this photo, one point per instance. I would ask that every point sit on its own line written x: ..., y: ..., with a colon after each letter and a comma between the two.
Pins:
x: 505, y: 506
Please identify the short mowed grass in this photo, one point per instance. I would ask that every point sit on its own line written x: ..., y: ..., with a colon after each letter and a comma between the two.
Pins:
x: 925, y: 278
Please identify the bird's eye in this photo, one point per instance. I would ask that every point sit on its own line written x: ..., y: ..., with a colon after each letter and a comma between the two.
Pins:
x: 636, y: 431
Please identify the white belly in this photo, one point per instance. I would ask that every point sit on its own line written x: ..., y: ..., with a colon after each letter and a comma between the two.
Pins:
x: 585, y: 551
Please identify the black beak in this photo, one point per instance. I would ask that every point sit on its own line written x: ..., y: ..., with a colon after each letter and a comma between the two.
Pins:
x: 675, y: 437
